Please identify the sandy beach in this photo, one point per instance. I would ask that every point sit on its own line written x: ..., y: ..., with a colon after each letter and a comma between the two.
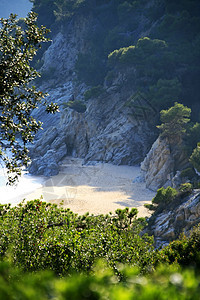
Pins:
x: 97, y: 189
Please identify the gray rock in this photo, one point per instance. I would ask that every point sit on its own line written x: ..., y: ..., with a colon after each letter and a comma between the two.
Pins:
x: 51, y: 170
x: 161, y: 164
x: 158, y: 165
x: 167, y: 225
x: 48, y: 164
x: 61, y: 152
x: 107, y: 131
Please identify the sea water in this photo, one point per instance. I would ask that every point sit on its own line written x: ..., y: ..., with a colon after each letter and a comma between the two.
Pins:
x: 16, y: 193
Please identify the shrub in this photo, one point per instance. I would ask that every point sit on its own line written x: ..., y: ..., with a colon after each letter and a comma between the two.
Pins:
x: 149, y: 56
x: 164, y: 92
x: 192, y: 137
x: 37, y: 236
x: 167, y: 282
x: 185, y: 188
x: 164, y: 196
x: 184, y: 251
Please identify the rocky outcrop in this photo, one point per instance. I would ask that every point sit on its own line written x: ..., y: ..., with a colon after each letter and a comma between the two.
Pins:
x: 47, y: 153
x: 174, y: 220
x: 158, y: 165
x: 161, y: 164
x: 106, y: 132
x: 60, y: 57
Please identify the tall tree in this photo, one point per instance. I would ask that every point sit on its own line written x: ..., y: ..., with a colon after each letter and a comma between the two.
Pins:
x: 195, y: 158
x: 173, y: 121
x: 18, y: 97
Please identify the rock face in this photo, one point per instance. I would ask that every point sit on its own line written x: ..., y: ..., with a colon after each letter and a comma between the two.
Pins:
x: 47, y: 153
x: 161, y: 164
x: 169, y: 224
x: 158, y: 165
x: 106, y: 131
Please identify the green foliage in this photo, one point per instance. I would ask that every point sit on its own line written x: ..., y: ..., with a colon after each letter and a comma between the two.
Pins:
x: 45, y: 10
x: 145, y: 51
x: 124, y: 55
x: 90, y: 69
x: 164, y: 196
x: 184, y: 251
x: 173, y: 122
x: 166, y: 283
x: 180, y: 29
x: 18, y: 46
x: 94, y: 92
x: 188, y: 173
x: 185, y: 188
x: 115, y: 40
x: 184, y: 26
x: 164, y: 92
x: 37, y: 236
x: 192, y: 136
x: 151, y: 60
x: 66, y: 9
x: 166, y: 64
x: 195, y: 158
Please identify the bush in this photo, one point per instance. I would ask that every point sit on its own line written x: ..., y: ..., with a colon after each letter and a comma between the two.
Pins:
x: 192, y: 137
x: 165, y: 283
x: 174, y: 121
x: 37, y: 236
x: 184, y: 251
x: 164, y: 196
x: 164, y: 92
x: 150, y: 57
x: 185, y: 189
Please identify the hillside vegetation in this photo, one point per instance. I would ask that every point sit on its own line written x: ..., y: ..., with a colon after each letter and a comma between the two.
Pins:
x: 37, y: 236
x: 158, y: 40
x: 47, y: 252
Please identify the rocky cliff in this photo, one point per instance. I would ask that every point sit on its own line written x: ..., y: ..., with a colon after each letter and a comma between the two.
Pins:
x: 141, y: 65
x: 178, y: 217
x: 107, y: 131
x: 161, y: 164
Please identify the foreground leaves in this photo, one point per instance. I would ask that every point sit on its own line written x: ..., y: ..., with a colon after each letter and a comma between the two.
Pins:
x: 165, y: 283
x: 19, y: 43
x: 38, y: 236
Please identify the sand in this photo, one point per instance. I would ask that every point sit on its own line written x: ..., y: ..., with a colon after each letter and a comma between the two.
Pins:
x: 97, y: 189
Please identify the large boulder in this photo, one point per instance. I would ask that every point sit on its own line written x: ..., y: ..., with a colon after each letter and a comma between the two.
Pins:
x: 158, y: 165
x: 161, y: 164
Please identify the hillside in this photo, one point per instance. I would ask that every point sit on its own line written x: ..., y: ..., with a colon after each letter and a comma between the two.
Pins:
x: 125, y: 76
x: 112, y: 66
